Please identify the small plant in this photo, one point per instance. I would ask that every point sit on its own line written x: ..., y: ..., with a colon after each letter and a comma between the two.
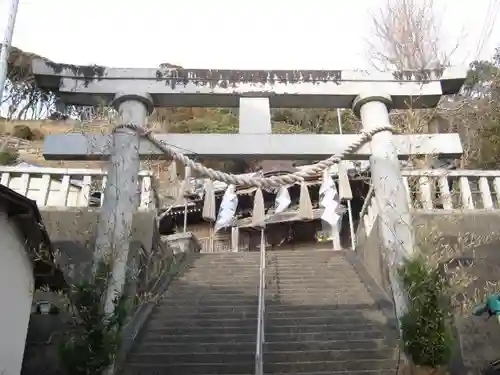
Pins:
x: 426, y: 326
x: 8, y: 157
x: 94, y: 337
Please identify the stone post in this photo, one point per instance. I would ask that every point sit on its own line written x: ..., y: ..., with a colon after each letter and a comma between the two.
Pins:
x: 395, y: 224
x: 235, y: 239
x: 121, y: 198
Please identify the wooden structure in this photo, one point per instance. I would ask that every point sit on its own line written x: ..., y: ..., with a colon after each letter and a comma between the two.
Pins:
x: 285, y: 230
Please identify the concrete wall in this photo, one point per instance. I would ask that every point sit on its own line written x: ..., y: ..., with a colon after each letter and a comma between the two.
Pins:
x: 475, y: 235
x: 16, y: 291
x: 73, y: 233
x: 369, y: 251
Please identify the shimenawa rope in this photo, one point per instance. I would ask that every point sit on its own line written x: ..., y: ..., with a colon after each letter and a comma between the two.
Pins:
x: 273, y: 181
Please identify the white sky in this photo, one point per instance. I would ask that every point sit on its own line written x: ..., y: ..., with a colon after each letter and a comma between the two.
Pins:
x: 237, y: 34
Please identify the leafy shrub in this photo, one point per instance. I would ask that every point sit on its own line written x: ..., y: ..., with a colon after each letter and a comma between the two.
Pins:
x: 426, y: 326
x: 94, y: 338
x: 8, y: 157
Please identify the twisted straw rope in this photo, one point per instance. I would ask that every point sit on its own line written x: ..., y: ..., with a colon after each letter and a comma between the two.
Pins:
x: 262, y: 182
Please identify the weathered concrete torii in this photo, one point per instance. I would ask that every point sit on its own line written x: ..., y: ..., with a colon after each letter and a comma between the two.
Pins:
x: 135, y: 92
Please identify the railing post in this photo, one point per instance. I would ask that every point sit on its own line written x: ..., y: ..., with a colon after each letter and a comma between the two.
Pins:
x: 263, y: 245
x: 259, y: 344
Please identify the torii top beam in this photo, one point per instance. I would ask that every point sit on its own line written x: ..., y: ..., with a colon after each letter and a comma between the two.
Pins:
x: 95, y: 85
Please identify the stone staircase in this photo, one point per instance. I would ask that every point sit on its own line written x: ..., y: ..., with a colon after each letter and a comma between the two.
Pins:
x: 320, y: 319
x: 206, y: 323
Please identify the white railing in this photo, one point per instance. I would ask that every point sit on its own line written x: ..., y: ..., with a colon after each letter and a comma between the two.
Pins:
x: 259, y: 348
x: 438, y: 189
x: 67, y: 187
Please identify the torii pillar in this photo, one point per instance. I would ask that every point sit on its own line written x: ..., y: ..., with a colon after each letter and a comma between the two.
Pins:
x: 395, y: 226
x: 121, y: 200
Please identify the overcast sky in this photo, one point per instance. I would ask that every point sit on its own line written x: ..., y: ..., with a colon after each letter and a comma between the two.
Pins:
x: 238, y: 34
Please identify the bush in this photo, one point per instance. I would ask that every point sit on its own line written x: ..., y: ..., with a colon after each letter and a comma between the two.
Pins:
x: 426, y: 326
x: 8, y: 157
x: 23, y: 132
x: 94, y: 338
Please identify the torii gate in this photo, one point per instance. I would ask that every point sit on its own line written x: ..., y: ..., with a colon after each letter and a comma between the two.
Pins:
x: 135, y: 92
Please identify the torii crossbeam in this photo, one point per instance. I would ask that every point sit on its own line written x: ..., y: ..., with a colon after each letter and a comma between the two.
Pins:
x: 135, y: 92
x: 223, y: 88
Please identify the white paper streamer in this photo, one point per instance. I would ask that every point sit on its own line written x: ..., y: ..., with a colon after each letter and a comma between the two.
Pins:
x: 283, y: 200
x: 327, y: 182
x: 333, y: 210
x: 227, y: 208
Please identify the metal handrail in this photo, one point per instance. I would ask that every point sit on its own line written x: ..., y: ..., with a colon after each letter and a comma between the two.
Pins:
x: 259, y: 347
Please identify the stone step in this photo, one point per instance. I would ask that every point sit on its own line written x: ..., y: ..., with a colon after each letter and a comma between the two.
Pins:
x: 193, y: 358
x: 224, y: 264
x: 341, y: 309
x: 220, y: 275
x: 359, y: 367
x: 269, y: 329
x: 329, y: 355
x: 226, y: 255
x: 168, y: 314
x: 216, y: 285
x: 193, y: 309
x: 312, y: 286
x: 237, y: 347
x: 301, y: 253
x: 155, y: 337
x: 326, y: 265
x: 368, y: 344
x: 160, y: 321
x: 314, y: 281
x: 333, y: 310
x: 362, y: 372
x: 319, y: 275
x: 331, y: 366
x: 237, y: 280
x: 292, y: 302
x: 182, y: 290
x: 190, y: 369
x: 211, y: 300
x: 249, y: 312
x: 216, y: 294
x: 271, y: 299
x: 272, y: 357
x: 173, y: 348
x: 325, y: 336
x: 275, y: 290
